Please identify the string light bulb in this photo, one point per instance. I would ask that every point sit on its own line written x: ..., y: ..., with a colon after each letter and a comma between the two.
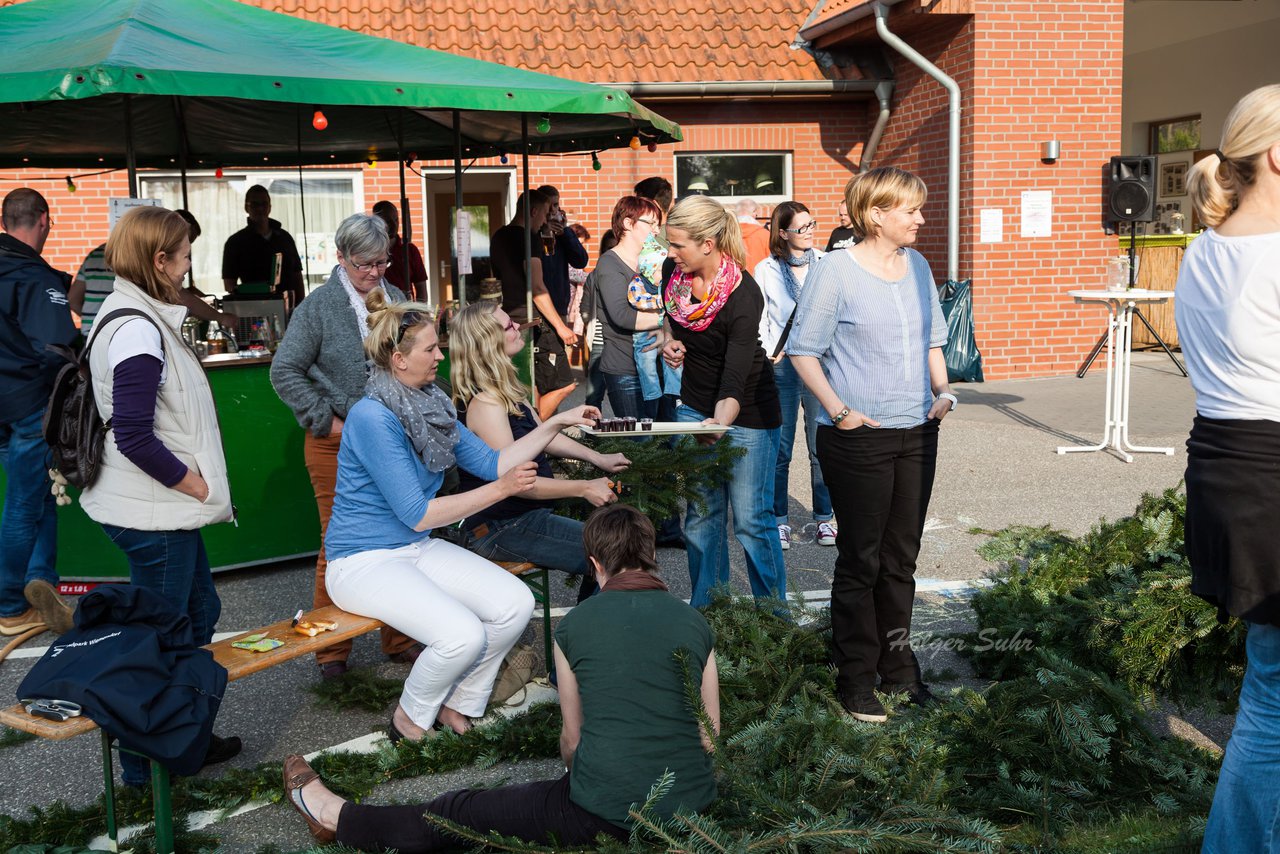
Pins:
x: 318, y: 121
x: 544, y: 125
x: 217, y: 173
x: 635, y: 143
x: 595, y: 162
x: 502, y: 158
x: 71, y: 185
x: 653, y: 146
x: 373, y: 163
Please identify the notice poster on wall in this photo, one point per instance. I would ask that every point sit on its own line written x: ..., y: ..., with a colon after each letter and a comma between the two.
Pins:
x: 463, y: 249
x: 1037, y: 213
x: 991, y: 225
x: 120, y: 205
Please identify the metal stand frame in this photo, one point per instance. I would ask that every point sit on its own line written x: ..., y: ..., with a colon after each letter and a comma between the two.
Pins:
x: 1102, y: 339
x: 1119, y: 342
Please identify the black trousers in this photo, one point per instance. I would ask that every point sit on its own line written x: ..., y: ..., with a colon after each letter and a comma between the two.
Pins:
x: 534, y: 812
x: 880, y: 482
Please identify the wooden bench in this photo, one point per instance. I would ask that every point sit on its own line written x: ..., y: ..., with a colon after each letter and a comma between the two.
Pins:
x: 240, y: 663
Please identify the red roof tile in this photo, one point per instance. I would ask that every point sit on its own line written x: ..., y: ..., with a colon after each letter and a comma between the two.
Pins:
x: 597, y: 41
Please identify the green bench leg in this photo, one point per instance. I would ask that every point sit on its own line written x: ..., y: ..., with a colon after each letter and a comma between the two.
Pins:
x: 539, y: 582
x: 109, y: 792
x: 163, y: 808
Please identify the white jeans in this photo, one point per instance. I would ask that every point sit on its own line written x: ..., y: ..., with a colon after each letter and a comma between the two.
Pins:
x: 468, y: 612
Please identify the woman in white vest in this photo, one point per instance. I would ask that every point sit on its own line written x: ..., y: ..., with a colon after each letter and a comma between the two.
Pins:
x: 163, y: 475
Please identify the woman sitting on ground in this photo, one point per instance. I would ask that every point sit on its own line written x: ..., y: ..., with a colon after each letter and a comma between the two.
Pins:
x: 397, y: 442
x: 626, y: 717
x: 492, y: 404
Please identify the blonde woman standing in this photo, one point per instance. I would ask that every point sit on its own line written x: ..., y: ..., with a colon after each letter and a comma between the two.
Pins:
x: 714, y: 308
x: 1229, y: 325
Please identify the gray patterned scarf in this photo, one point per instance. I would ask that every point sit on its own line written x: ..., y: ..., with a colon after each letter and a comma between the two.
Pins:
x: 427, y: 415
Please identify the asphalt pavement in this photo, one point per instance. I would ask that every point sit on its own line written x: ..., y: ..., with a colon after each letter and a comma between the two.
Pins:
x: 998, y: 466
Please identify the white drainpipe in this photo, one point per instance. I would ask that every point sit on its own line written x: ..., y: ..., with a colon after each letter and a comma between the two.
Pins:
x: 953, y: 142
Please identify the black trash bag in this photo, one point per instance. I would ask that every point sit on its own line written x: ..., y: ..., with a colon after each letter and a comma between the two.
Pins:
x: 964, y: 362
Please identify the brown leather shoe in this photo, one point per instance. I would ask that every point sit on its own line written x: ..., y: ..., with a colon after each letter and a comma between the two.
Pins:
x: 52, y: 608
x: 25, y: 621
x: 297, y: 773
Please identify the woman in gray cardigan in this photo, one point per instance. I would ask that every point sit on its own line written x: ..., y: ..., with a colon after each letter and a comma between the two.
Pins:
x: 319, y: 371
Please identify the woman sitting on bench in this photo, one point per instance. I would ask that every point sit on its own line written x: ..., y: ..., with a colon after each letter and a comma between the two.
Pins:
x: 491, y: 402
x: 626, y: 717
x: 397, y: 442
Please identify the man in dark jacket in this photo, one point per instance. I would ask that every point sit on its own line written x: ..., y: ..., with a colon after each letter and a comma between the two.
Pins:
x: 33, y: 313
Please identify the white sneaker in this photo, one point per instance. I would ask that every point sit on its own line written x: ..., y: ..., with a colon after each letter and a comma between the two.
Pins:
x: 784, y: 534
x: 827, y: 533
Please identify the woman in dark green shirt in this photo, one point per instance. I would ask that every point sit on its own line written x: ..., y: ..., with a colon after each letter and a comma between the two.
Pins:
x: 626, y: 720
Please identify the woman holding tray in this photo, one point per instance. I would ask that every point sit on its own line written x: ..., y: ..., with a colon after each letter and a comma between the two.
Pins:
x: 397, y: 442
x: 492, y: 403
x: 714, y: 308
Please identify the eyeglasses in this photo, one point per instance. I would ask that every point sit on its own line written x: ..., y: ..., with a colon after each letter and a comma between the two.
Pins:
x: 410, y: 320
x: 804, y: 229
x: 372, y: 265
x: 652, y: 223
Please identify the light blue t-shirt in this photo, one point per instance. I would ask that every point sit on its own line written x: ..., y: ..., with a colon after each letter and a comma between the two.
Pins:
x: 383, y: 486
x: 872, y: 336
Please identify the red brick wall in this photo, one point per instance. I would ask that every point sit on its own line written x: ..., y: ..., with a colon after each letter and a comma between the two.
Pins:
x: 1044, y: 72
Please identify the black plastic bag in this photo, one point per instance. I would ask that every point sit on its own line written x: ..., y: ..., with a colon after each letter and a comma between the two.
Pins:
x: 964, y: 362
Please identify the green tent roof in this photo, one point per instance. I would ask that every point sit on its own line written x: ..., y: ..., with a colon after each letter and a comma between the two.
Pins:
x: 238, y: 85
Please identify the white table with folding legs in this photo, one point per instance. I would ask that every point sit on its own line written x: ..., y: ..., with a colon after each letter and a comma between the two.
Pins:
x: 1120, y: 305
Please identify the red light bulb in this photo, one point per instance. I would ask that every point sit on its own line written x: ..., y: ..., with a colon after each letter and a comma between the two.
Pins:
x: 217, y: 173
x: 318, y: 121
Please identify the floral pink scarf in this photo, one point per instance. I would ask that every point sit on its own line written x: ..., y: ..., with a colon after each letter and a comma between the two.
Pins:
x: 698, y: 316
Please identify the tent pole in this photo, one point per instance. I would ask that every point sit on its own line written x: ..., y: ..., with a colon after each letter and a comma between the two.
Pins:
x: 182, y: 149
x: 528, y: 246
x: 460, y: 280
x: 404, y: 227
x: 130, y: 159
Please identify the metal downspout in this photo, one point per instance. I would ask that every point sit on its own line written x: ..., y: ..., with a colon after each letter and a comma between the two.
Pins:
x: 884, y: 93
x: 953, y: 142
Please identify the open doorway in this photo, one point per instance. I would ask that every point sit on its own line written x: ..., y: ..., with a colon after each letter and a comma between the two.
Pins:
x: 487, y: 195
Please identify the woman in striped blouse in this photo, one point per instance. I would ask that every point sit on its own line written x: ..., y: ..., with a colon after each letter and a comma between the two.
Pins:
x: 867, y: 341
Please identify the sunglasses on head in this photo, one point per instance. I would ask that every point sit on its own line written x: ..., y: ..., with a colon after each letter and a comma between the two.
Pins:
x: 410, y: 320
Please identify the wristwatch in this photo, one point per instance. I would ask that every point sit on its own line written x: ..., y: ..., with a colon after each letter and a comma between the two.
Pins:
x: 951, y: 397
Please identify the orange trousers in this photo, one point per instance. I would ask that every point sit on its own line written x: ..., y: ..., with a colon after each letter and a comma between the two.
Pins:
x: 321, y: 457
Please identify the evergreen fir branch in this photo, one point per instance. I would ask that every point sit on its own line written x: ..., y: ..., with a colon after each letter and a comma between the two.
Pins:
x: 359, y: 688
x: 9, y: 737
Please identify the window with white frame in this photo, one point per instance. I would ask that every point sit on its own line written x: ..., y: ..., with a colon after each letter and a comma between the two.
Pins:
x: 727, y: 176
x: 331, y: 195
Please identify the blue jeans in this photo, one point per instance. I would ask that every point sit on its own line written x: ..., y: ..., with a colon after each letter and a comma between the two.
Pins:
x: 1246, y: 805
x: 749, y: 491
x: 656, y: 376
x: 174, y: 564
x: 538, y: 536
x: 792, y: 394
x: 626, y: 399
x: 29, y: 526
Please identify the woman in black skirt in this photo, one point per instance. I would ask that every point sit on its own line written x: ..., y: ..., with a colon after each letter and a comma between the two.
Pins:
x: 1228, y: 312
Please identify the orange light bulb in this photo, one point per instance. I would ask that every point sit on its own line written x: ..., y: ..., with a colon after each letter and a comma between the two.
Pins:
x: 318, y: 121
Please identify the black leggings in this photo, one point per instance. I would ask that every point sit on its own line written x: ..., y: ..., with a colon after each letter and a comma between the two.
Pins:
x: 534, y: 812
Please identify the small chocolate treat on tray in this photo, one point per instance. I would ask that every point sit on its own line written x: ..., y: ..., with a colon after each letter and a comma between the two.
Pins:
x: 646, y: 424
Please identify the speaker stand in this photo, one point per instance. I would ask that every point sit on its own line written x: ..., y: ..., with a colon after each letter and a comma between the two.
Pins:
x: 1102, y: 339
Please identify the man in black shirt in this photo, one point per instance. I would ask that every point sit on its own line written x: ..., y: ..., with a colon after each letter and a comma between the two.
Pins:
x: 551, y: 373
x: 262, y: 252
x: 843, y: 236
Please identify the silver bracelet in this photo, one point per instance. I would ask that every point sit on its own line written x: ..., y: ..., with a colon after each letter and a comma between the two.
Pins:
x: 946, y: 395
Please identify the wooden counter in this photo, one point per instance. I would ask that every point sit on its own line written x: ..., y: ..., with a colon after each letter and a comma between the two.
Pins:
x: 1159, y: 257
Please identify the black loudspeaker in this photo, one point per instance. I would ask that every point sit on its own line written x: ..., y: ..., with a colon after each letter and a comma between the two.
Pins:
x: 1131, y: 197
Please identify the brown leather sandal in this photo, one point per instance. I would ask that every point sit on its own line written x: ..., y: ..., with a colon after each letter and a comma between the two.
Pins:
x: 297, y: 773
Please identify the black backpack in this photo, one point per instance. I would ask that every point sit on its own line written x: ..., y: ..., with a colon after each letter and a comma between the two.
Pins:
x: 72, y: 426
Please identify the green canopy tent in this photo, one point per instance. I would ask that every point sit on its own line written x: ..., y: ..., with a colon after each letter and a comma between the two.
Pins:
x: 206, y: 83
x: 227, y: 83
